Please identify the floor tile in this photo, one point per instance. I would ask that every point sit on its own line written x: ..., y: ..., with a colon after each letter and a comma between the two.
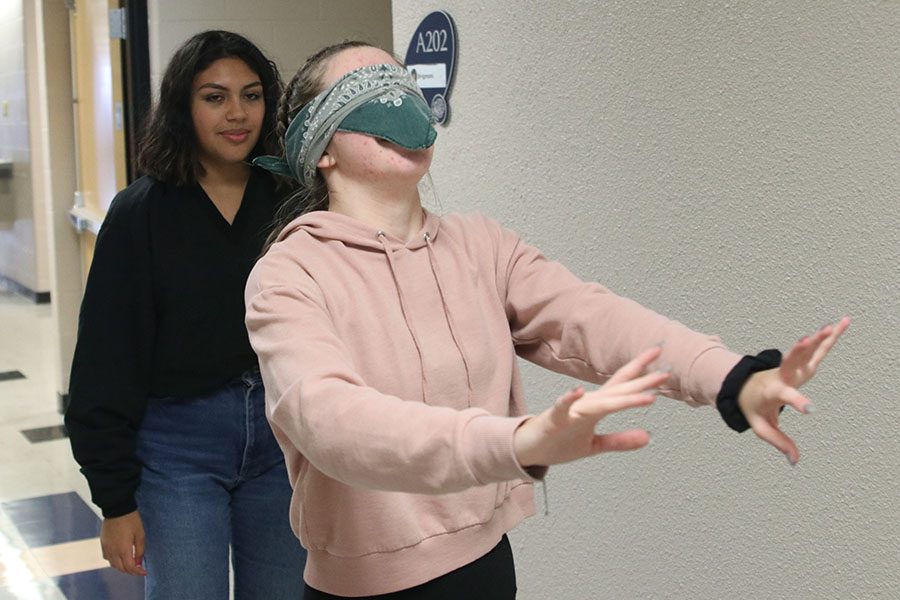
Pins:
x: 31, y: 590
x: 71, y: 557
x: 26, y: 408
x: 102, y: 584
x: 18, y: 565
x: 46, y: 520
x: 31, y: 479
x: 54, y: 519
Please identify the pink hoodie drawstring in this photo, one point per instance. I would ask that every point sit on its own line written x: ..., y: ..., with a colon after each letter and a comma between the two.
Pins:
x: 403, y: 309
x: 432, y: 259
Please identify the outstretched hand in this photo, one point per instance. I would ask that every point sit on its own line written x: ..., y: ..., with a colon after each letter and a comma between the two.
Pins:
x: 565, y: 431
x: 766, y: 392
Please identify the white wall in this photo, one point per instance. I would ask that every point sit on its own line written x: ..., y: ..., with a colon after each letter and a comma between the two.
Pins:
x: 286, y: 30
x: 733, y: 165
x: 23, y: 236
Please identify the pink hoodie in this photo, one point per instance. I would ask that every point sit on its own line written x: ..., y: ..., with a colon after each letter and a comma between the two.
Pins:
x: 393, y: 389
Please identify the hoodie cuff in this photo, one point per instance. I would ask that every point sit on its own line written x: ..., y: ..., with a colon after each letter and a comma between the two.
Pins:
x: 706, y: 374
x: 120, y: 509
x: 489, y: 453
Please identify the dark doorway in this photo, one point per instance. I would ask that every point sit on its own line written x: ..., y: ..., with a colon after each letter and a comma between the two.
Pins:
x: 136, y: 67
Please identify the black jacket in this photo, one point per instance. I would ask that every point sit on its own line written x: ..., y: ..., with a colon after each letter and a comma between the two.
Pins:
x: 162, y: 317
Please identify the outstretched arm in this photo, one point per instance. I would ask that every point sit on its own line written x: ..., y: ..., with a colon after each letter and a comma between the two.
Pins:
x: 566, y: 431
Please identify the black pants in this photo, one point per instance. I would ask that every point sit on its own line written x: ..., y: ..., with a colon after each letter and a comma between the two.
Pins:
x: 491, y: 577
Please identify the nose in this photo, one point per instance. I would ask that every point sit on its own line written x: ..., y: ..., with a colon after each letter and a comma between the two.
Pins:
x: 236, y: 110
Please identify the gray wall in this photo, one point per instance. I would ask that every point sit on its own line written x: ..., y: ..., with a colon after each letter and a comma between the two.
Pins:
x: 733, y: 165
x: 287, y: 30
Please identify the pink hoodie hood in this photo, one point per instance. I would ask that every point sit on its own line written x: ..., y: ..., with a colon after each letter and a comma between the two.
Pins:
x: 325, y: 225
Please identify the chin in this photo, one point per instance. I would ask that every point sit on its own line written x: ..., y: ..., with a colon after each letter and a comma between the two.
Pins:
x: 414, y: 171
x: 417, y: 160
x: 235, y: 157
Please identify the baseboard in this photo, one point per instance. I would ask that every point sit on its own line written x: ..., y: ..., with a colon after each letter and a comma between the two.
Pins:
x: 62, y: 402
x: 22, y: 290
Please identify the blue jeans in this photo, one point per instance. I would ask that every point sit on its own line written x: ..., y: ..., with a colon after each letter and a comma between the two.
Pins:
x: 213, y: 479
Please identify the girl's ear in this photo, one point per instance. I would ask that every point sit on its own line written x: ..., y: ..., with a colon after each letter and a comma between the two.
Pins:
x: 326, y: 162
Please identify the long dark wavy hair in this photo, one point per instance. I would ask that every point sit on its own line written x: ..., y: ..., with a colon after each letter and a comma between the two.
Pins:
x: 305, y: 85
x: 168, y: 149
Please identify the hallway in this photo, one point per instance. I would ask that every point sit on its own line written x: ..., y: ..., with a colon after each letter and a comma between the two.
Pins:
x: 49, y: 549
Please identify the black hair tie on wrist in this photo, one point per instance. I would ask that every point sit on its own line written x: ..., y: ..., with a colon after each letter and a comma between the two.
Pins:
x: 727, y: 400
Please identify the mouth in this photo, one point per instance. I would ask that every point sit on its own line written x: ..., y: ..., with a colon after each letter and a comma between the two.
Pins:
x: 236, y: 135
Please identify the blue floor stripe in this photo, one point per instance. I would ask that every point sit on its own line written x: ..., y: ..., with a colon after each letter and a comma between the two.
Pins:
x: 102, y: 584
x: 55, y: 519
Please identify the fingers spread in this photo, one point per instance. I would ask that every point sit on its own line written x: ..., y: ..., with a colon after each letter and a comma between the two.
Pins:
x: 771, y: 434
x: 650, y: 381
x: 560, y: 409
x: 636, y: 366
x: 801, y: 353
x: 816, y: 346
x: 569, y: 397
x: 825, y: 347
x: 596, y: 405
x: 800, y: 362
x: 796, y: 400
x: 632, y: 439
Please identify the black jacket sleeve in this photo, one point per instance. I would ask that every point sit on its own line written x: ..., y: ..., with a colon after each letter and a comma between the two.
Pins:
x: 111, y: 366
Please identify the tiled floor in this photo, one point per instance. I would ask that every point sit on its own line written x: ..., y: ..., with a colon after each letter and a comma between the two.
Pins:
x: 48, y: 529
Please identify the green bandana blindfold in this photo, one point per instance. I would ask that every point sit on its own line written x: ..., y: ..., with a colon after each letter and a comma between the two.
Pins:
x: 382, y: 101
x: 405, y: 121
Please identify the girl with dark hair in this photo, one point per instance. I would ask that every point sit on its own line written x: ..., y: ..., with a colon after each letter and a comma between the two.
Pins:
x: 166, y: 415
x: 388, y: 337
